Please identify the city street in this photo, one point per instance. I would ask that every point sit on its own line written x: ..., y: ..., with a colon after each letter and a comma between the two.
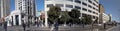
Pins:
x: 117, y: 28
x: 61, y: 28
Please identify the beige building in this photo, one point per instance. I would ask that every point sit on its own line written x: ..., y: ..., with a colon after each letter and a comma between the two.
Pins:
x: 103, y: 18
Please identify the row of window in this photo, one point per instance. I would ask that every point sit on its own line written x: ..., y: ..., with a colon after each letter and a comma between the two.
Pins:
x: 92, y: 12
x: 93, y: 3
x: 92, y: 7
x: 83, y: 15
x: 71, y: 6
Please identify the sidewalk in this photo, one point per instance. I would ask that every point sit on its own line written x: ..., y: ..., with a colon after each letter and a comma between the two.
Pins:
x: 61, y: 28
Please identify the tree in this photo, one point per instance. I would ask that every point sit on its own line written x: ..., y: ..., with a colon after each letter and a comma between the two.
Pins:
x: 64, y: 17
x: 86, y: 20
x: 74, y: 14
x: 53, y: 13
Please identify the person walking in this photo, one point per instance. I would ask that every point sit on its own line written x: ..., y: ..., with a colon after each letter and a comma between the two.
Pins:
x: 5, y: 26
x: 24, y: 26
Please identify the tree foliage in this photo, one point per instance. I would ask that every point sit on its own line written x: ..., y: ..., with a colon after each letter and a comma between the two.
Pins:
x: 75, y: 14
x: 64, y: 16
x: 53, y: 13
x: 87, y: 20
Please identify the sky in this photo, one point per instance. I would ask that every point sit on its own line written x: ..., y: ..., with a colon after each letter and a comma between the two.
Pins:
x: 39, y: 5
x: 111, y: 7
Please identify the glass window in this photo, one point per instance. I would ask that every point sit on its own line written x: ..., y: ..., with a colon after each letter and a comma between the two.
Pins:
x: 94, y: 12
x: 59, y: 5
x: 93, y: 8
x: 89, y: 1
x: 84, y: 9
x: 77, y: 1
x: 70, y: 6
x: 49, y: 5
x: 90, y: 6
x: 77, y: 7
x: 93, y: 17
x: 69, y: 0
x: 89, y: 11
x: 84, y: 3
x: 94, y: 4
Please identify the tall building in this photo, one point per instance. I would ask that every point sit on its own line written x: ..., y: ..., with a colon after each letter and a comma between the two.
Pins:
x: 101, y: 11
x: 4, y: 8
x: 87, y: 7
x: 103, y: 18
x: 25, y: 11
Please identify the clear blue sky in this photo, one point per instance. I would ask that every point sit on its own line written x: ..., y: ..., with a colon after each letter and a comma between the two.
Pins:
x: 111, y: 7
x: 40, y: 4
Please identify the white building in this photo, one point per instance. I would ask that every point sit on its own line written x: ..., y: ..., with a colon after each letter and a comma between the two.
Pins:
x: 87, y: 7
x: 25, y: 10
x: 105, y: 17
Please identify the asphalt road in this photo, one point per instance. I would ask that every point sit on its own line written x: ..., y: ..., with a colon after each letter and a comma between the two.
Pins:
x: 117, y: 28
x: 61, y: 28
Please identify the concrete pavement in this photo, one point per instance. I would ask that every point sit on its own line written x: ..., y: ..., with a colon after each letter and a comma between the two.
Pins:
x: 61, y: 28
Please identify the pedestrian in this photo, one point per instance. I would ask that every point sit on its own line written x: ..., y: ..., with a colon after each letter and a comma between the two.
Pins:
x: 24, y: 26
x: 5, y: 26
x: 56, y: 26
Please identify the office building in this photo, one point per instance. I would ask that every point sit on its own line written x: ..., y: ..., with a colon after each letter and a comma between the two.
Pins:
x: 4, y: 9
x: 25, y: 11
x: 86, y: 7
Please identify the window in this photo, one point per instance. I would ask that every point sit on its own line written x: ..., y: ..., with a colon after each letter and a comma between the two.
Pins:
x: 84, y: 4
x: 89, y: 11
x: 60, y: 5
x: 90, y: 6
x: 94, y: 4
x: 84, y: 9
x: 77, y: 1
x: 70, y: 6
x: 49, y: 5
x: 93, y: 17
x: 95, y: 1
x: 93, y: 12
x: 69, y: 0
x: 93, y: 8
x: 77, y: 7
x: 89, y: 1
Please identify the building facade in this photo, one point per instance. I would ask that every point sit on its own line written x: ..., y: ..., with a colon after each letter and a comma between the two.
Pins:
x: 25, y: 11
x: 86, y: 7
x: 4, y: 8
x: 101, y: 11
x: 103, y: 18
